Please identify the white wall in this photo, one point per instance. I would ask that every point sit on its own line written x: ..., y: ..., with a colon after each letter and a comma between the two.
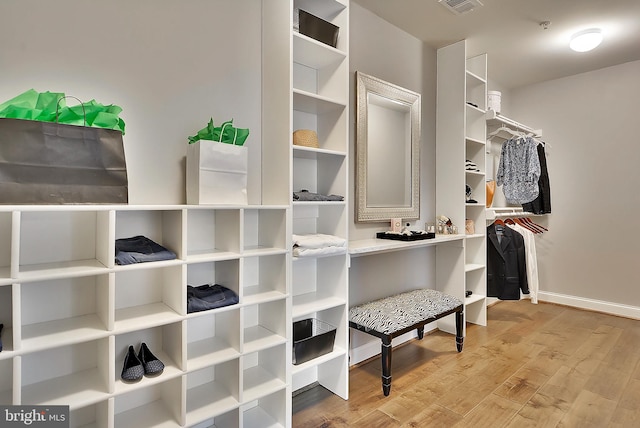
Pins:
x: 170, y: 66
x: 590, y: 254
x: 379, y: 49
x: 384, y: 51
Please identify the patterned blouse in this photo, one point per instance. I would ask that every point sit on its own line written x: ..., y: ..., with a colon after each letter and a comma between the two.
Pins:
x: 519, y: 170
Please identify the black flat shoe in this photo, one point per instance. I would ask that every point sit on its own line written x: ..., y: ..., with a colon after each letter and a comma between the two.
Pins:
x: 132, y: 370
x: 152, y: 365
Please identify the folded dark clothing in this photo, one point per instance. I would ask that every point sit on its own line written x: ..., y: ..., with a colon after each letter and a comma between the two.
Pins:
x: 140, y: 249
x: 206, y: 297
x: 138, y: 244
x: 305, y: 195
x: 130, y: 257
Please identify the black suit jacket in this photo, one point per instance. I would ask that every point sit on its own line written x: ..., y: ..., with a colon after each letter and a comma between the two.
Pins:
x: 506, y: 264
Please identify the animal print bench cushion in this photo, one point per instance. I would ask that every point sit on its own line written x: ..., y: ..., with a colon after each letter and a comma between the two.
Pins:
x: 395, y: 313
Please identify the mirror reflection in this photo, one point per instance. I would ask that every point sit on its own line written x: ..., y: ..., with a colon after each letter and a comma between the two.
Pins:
x: 387, y: 144
x: 388, y: 121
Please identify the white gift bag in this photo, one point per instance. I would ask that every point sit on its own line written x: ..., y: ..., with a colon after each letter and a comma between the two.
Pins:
x: 216, y: 173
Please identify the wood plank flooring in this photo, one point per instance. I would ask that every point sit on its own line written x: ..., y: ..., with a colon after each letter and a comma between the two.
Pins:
x: 538, y: 365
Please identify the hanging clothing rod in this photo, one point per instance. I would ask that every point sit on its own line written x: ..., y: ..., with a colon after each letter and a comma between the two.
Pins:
x: 499, y: 119
x: 515, y: 214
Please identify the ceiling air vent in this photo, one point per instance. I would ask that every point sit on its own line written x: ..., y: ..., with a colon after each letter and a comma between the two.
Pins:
x: 460, y: 6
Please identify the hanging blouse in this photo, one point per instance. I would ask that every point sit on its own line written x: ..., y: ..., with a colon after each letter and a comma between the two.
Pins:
x: 519, y: 170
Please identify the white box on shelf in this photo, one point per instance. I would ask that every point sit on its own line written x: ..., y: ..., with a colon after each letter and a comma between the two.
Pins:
x: 216, y: 173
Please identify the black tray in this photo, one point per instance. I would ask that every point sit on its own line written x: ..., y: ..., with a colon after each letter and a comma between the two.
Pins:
x: 414, y: 237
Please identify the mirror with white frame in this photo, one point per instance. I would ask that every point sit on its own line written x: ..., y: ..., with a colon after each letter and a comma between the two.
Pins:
x: 387, y: 151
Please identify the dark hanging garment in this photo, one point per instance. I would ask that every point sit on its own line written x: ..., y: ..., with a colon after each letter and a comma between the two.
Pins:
x: 506, y: 263
x: 542, y: 204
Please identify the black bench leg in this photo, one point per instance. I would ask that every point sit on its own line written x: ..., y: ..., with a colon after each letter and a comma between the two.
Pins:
x: 386, y: 366
x: 459, y: 325
x: 420, y: 332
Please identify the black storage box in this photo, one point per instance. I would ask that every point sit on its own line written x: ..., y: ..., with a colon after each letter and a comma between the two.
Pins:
x: 311, y: 338
x: 317, y: 28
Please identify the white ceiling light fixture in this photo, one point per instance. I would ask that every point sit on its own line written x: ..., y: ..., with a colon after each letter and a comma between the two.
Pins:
x: 586, y: 40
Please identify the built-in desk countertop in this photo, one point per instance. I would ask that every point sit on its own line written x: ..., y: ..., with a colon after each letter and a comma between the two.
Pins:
x: 363, y: 247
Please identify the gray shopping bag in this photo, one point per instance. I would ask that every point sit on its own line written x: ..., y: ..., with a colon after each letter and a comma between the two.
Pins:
x: 53, y: 163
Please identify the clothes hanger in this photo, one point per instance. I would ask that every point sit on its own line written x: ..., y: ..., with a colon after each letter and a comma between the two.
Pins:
x: 536, y: 225
x: 508, y: 130
x: 522, y: 223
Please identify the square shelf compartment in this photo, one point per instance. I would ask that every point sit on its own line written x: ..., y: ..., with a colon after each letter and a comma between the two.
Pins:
x: 333, y: 11
x: 213, y: 391
x: 318, y: 74
x: 312, y: 338
x: 213, y: 234
x: 163, y: 227
x: 224, y: 272
x: 326, y: 219
x: 263, y: 373
x: 265, y: 325
x: 318, y: 172
x: 475, y: 124
x: 318, y: 284
x: 81, y: 312
x: 80, y: 239
x: 229, y: 419
x: 158, y: 406
x: 326, y: 116
x: 264, y: 231
x: 338, y: 337
x: 94, y: 416
x: 147, y: 297
x: 264, y: 278
x: 213, y: 337
x: 165, y: 342
x: 267, y: 411
x: 74, y: 375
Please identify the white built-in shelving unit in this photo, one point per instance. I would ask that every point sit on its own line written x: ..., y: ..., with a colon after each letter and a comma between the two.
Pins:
x: 461, y: 136
x: 309, y: 89
x: 70, y: 313
x: 320, y: 102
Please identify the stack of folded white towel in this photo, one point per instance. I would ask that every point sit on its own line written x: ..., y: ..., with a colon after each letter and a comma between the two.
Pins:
x: 318, y: 244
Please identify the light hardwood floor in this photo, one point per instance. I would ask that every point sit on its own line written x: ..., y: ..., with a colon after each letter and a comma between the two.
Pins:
x: 538, y: 365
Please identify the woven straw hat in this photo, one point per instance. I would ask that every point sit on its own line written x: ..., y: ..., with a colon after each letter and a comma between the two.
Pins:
x: 306, y: 138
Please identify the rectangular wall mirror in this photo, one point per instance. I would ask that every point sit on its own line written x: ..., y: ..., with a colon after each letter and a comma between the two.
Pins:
x: 387, y: 151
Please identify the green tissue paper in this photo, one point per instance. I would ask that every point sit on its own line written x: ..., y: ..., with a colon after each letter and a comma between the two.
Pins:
x: 41, y: 106
x: 225, y: 133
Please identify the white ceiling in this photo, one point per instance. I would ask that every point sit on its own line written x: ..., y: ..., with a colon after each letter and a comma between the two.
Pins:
x: 520, y: 52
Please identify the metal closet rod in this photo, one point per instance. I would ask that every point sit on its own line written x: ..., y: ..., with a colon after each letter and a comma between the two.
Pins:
x: 515, y: 214
x: 492, y: 115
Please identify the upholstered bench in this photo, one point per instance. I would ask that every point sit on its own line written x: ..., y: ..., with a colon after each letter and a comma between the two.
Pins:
x: 393, y: 316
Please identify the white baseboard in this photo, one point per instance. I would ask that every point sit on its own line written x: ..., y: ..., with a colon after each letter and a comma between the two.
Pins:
x: 591, y: 304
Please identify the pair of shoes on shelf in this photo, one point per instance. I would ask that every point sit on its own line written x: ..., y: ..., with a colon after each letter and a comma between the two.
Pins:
x: 136, y: 366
